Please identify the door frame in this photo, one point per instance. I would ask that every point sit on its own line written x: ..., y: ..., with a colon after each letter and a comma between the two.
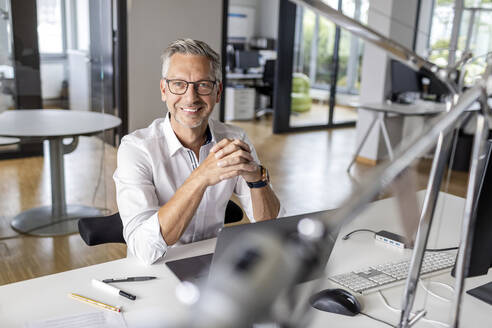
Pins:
x: 283, y: 77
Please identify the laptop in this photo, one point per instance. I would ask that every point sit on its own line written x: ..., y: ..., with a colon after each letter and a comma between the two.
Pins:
x: 196, y: 269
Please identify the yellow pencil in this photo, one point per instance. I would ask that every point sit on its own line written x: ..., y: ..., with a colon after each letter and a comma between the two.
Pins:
x: 94, y: 302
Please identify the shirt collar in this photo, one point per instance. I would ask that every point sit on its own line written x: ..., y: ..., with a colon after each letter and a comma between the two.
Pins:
x: 173, y: 142
x: 209, y: 135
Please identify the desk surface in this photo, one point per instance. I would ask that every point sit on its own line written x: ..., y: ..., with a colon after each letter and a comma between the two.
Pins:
x: 8, y: 141
x: 156, y: 303
x: 418, y: 108
x: 49, y: 123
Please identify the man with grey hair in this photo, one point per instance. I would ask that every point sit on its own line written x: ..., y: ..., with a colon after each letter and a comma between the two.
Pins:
x: 175, y: 177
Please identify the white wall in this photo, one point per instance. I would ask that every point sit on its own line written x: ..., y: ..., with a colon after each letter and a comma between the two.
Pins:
x: 79, y: 80
x: 152, y: 25
x: 83, y: 29
x: 52, y: 76
x: 266, y: 17
x: 394, y: 19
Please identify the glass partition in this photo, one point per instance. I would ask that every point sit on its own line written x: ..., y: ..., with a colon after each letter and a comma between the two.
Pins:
x: 7, y: 75
x: 327, y: 63
x: 350, y: 55
x: 7, y: 85
x: 60, y: 61
x: 474, y: 35
x: 312, y: 69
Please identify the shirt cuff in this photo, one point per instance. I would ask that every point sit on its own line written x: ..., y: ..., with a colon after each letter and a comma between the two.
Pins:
x: 146, y: 242
x: 281, y: 211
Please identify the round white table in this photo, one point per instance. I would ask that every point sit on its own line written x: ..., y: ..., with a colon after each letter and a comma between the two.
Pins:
x: 54, y: 125
x: 8, y: 141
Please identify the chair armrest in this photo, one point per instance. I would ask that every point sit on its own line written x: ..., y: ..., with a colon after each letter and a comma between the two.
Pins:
x: 233, y: 213
x: 101, y: 230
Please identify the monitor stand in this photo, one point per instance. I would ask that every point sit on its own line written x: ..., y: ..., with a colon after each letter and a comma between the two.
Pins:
x: 483, y: 292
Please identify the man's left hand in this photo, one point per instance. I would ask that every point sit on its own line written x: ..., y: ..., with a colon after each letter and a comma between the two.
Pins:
x: 231, y: 155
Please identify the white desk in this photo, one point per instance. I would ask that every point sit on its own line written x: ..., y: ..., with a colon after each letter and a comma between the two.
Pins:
x: 381, y: 110
x: 156, y: 303
x: 54, y: 125
x: 8, y: 141
x: 418, y: 108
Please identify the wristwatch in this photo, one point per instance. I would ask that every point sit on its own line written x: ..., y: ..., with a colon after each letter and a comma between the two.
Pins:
x: 265, y: 179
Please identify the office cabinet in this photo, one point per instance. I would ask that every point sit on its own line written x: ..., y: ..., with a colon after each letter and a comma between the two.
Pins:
x: 239, y: 103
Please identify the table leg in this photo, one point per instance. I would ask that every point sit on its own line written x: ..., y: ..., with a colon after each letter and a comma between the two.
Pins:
x: 57, y: 170
x: 59, y: 218
x: 362, y: 142
x: 386, y: 135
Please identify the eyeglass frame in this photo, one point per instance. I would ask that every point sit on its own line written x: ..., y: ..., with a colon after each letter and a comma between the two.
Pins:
x: 195, y: 87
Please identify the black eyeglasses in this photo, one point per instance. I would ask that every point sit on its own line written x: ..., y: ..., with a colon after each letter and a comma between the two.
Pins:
x: 179, y: 87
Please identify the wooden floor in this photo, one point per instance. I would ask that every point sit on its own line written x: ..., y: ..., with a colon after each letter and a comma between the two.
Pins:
x: 308, y: 172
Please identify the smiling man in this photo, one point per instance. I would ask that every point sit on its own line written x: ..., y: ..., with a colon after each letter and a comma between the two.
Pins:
x: 175, y: 177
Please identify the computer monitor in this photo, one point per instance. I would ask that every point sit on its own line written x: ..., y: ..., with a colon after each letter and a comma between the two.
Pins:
x: 436, y: 89
x: 403, y: 80
x: 481, y: 248
x: 247, y: 59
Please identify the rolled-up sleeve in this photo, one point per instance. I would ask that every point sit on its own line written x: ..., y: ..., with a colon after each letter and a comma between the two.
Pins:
x: 243, y: 193
x: 137, y: 203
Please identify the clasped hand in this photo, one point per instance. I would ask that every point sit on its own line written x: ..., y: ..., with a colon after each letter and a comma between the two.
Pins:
x: 227, y: 159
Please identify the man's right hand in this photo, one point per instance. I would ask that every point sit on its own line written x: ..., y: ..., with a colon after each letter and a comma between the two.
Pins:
x: 227, y: 159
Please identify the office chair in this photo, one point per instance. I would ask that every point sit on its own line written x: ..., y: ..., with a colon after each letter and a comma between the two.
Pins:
x: 267, y: 87
x: 109, y: 229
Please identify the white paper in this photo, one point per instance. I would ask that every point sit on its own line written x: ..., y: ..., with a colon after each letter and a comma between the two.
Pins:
x: 100, y: 319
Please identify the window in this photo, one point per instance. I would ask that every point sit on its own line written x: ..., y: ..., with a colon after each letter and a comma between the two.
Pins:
x: 50, y: 27
x: 314, y: 51
x: 475, y: 34
x: 308, y: 38
x: 441, y: 28
x: 351, y: 49
x: 323, y: 52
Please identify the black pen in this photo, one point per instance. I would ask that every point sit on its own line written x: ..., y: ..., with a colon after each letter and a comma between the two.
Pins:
x: 129, y: 279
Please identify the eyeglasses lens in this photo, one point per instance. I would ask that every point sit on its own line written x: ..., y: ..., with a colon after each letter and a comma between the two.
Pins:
x: 179, y: 87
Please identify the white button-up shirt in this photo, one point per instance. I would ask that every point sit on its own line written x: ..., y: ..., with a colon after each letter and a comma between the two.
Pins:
x: 152, y: 165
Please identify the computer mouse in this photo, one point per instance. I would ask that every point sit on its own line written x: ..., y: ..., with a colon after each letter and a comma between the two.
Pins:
x: 336, y: 301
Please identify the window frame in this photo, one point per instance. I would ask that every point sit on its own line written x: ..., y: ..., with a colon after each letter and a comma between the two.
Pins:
x: 56, y: 56
x: 313, y: 68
